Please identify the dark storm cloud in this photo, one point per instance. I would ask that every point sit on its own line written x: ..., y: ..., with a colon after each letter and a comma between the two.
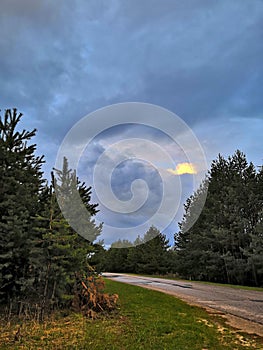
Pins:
x: 64, y: 59
x: 202, y: 60
x: 61, y: 60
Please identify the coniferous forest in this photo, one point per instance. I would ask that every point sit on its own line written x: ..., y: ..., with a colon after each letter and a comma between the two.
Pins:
x: 225, y: 244
x: 44, y: 264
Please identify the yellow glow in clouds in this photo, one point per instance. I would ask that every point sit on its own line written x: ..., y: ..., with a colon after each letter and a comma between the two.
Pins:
x: 183, y: 168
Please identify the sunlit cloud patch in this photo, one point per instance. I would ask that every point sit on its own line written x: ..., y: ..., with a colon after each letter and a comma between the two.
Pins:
x: 183, y: 168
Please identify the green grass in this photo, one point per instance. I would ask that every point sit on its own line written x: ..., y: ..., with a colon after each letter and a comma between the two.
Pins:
x: 258, y: 289
x: 145, y: 320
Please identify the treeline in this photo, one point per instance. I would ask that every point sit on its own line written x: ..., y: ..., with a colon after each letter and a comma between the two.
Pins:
x: 224, y: 245
x: 43, y: 262
x: 226, y: 242
x: 147, y: 255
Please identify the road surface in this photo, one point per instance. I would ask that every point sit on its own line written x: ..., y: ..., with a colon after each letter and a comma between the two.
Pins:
x: 242, y: 308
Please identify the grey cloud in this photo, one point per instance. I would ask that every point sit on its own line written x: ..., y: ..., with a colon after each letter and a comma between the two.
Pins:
x: 177, y: 56
x: 61, y: 60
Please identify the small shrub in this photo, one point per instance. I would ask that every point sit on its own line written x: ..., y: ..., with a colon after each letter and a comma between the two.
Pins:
x: 90, y: 298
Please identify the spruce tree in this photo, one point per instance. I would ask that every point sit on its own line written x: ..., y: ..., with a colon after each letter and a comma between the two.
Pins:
x: 151, y: 255
x: 215, y: 248
x: 20, y: 184
x: 61, y: 253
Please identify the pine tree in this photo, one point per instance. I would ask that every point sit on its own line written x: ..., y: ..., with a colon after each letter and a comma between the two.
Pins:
x: 215, y: 247
x: 74, y: 198
x: 151, y: 256
x: 20, y: 184
x: 254, y: 252
x: 61, y: 253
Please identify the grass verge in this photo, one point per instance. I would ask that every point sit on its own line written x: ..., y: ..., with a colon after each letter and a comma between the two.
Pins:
x: 145, y: 320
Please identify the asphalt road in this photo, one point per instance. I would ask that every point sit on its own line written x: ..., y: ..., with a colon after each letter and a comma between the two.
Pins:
x: 245, y: 305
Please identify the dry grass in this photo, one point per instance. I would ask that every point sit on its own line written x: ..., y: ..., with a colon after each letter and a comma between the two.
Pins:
x: 146, y: 319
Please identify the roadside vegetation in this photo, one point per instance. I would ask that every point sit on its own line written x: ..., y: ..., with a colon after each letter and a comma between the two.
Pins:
x: 225, y: 243
x: 51, y: 295
x: 145, y: 319
x: 43, y: 261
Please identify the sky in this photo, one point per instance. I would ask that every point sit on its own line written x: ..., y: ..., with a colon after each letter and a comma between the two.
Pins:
x: 201, y: 60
